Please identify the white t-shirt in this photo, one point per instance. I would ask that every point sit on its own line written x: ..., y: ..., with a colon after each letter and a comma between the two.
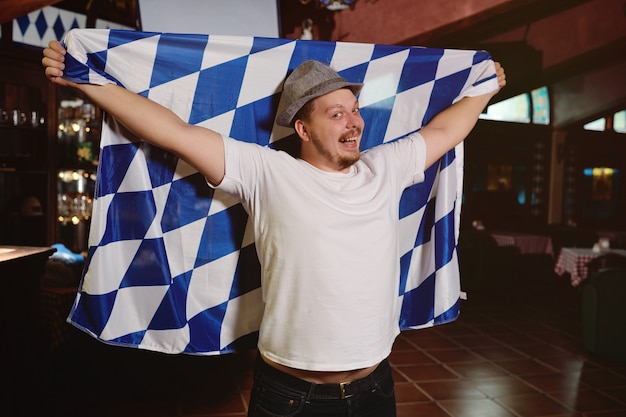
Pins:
x: 328, y: 248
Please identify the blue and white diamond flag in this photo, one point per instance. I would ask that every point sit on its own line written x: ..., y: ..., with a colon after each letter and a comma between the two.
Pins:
x: 171, y: 265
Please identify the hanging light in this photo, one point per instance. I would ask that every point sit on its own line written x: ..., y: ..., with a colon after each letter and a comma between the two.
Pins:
x: 336, y: 5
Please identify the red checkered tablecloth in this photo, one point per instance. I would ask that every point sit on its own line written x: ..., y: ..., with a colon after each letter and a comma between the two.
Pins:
x: 575, y: 260
x: 527, y: 244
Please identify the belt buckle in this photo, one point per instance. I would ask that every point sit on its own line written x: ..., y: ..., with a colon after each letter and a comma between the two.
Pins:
x: 342, y: 389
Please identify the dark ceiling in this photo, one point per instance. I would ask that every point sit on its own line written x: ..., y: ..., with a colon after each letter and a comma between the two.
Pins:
x: 576, y: 47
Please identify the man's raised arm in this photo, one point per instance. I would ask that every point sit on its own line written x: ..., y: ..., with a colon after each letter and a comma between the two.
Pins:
x: 200, y: 147
x: 450, y: 127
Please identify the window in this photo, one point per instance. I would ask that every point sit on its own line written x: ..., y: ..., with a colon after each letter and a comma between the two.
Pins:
x: 514, y: 109
x: 598, y: 125
x: 619, y: 122
x: 521, y: 108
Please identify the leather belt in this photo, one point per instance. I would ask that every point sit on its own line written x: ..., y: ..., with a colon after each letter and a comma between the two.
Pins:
x: 345, y: 389
x: 327, y: 391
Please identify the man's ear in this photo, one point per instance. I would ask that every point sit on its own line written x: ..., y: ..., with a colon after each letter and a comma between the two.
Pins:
x: 301, y: 130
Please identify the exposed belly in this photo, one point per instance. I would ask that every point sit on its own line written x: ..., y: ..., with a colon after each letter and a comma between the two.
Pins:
x: 323, y: 377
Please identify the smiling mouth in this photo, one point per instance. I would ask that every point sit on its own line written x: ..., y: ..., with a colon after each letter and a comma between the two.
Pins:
x: 347, y: 140
x: 350, y: 137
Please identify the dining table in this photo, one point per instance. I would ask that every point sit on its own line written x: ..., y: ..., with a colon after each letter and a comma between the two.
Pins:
x: 21, y: 268
x: 527, y: 244
x: 574, y: 261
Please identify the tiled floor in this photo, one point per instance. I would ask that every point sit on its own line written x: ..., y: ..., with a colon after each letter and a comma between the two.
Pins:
x: 514, y: 351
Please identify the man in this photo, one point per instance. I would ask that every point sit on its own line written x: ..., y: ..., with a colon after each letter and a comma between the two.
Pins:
x: 325, y: 226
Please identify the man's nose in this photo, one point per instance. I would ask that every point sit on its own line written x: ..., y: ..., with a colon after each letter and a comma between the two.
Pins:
x: 354, y: 120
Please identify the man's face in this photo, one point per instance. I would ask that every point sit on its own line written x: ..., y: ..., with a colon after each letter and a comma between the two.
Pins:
x: 334, y: 131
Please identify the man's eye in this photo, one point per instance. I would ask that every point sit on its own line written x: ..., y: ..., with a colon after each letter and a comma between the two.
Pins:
x: 357, y: 110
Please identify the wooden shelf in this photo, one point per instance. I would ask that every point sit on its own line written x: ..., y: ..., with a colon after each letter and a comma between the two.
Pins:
x: 28, y: 153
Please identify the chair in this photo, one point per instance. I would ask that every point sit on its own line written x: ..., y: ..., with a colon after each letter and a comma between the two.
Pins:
x: 603, y: 318
x: 482, y: 263
x: 609, y: 260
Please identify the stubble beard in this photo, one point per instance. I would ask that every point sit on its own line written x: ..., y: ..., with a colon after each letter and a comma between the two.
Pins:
x: 340, y: 161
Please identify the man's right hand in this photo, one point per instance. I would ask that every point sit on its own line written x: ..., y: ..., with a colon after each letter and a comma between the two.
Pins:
x: 53, y: 62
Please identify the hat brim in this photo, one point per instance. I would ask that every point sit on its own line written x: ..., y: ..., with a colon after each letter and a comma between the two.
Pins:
x: 285, y: 118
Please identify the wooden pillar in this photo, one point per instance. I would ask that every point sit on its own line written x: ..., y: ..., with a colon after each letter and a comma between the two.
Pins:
x: 555, y: 200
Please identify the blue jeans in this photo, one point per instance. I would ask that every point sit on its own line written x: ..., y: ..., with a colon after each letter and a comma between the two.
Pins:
x: 277, y: 394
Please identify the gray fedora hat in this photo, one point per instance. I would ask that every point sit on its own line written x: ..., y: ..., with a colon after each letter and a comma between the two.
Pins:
x: 310, y: 80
